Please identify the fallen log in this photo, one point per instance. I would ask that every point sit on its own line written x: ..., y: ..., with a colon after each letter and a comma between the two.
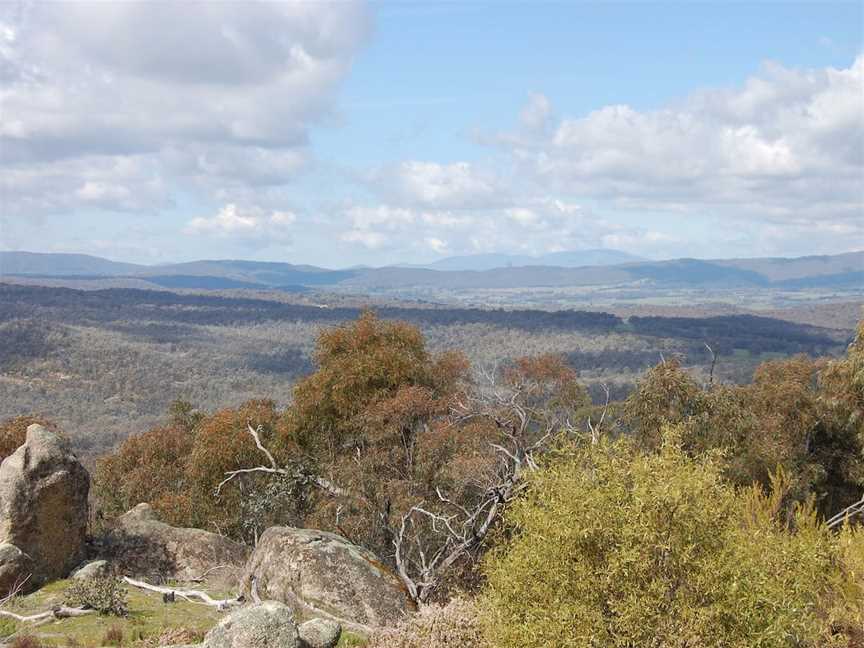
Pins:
x: 193, y: 596
x: 59, y: 612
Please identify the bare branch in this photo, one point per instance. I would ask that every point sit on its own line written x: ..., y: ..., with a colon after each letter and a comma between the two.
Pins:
x: 423, y: 559
x: 245, y: 471
x: 203, y: 577
x: 598, y: 430
x: 256, y: 432
x: 713, y: 364
x: 847, y: 513
x: 16, y: 589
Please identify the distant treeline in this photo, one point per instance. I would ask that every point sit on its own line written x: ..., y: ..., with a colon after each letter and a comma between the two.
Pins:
x: 726, y: 333
x: 123, y: 307
x: 132, y: 304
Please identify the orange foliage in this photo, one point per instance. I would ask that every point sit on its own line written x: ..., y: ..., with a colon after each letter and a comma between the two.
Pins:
x: 223, y: 443
x: 148, y: 467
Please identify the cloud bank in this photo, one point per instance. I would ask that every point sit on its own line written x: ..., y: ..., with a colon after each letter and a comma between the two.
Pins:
x: 775, y: 163
x: 139, y: 108
x: 123, y: 105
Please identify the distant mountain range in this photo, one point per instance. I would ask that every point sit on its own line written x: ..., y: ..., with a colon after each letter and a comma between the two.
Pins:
x: 602, y: 267
x: 574, y: 259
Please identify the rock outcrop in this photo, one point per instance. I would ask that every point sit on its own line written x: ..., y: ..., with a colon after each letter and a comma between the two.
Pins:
x: 15, y: 566
x: 321, y: 574
x: 141, y: 545
x: 92, y: 569
x: 43, y: 504
x: 265, y: 625
x: 319, y: 633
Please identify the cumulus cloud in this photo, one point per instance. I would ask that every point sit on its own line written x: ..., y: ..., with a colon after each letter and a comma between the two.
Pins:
x: 432, y: 184
x: 200, y: 95
x: 786, y: 146
x: 534, y: 226
x: 250, y: 224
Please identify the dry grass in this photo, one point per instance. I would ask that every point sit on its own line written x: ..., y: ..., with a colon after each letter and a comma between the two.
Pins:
x: 454, y: 625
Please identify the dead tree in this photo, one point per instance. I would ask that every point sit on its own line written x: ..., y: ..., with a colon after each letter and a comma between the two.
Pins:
x: 433, y: 537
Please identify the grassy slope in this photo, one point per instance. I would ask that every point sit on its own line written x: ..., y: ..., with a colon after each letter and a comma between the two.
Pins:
x: 148, y: 618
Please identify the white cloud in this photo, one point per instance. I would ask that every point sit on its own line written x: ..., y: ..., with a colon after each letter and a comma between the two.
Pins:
x: 371, y: 240
x: 535, y: 226
x: 431, y: 184
x: 382, y: 216
x: 787, y: 146
x: 784, y: 149
x: 207, y: 95
x: 436, y: 245
x: 250, y: 223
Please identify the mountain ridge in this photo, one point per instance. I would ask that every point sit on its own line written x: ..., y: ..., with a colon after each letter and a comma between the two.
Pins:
x: 826, y: 271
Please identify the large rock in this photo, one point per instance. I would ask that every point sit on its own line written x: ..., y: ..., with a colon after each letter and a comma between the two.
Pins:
x: 43, y: 504
x: 15, y: 567
x: 319, y: 633
x: 139, y: 544
x: 265, y: 625
x: 91, y: 570
x: 321, y: 574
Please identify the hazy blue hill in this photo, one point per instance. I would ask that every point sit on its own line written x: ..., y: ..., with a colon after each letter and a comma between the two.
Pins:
x: 570, y: 259
x: 840, y: 280
x: 580, y: 258
x: 37, y: 263
x: 206, y: 282
x: 840, y: 271
x: 696, y: 272
x: 781, y: 269
x: 261, y: 273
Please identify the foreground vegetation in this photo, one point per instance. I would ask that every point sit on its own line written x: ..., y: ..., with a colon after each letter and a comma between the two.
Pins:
x: 517, y: 512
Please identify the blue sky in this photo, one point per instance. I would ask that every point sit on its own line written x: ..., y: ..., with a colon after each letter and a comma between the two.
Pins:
x: 403, y: 132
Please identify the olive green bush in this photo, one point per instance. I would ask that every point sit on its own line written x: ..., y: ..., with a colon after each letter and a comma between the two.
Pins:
x: 105, y: 595
x: 611, y: 547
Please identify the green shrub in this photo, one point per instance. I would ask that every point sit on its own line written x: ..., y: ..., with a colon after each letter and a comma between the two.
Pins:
x: 614, y: 548
x: 105, y: 595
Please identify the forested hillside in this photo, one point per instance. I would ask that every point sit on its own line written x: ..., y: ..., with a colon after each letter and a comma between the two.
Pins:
x: 107, y: 363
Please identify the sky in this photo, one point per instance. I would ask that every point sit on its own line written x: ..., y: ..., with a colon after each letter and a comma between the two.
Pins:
x: 403, y: 132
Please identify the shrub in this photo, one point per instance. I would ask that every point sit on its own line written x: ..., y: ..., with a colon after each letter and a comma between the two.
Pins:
x: 105, y: 595
x: 803, y: 416
x: 179, y: 636
x: 7, y: 627
x: 613, y: 548
x: 847, y: 609
x: 455, y: 625
x: 113, y: 636
x: 26, y: 641
x: 148, y: 467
